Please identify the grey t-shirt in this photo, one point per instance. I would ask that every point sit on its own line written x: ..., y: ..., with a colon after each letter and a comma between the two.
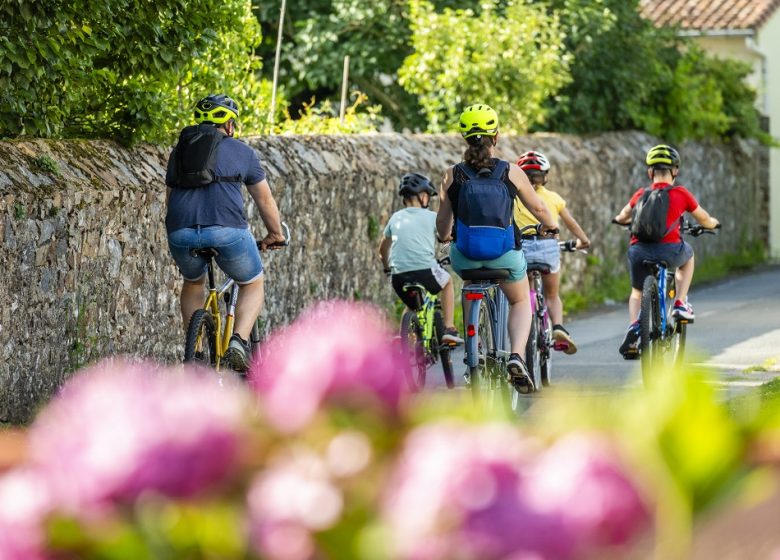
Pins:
x: 217, y: 204
x: 413, y: 231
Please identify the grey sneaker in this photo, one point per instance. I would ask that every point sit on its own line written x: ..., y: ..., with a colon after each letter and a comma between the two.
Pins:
x: 519, y: 376
x: 238, y: 354
x: 451, y: 337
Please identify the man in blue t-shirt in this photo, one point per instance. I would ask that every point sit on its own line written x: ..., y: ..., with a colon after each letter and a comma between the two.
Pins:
x: 213, y: 216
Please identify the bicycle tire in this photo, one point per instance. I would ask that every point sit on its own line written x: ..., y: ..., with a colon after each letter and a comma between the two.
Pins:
x: 443, y: 350
x: 678, y: 343
x: 545, y: 357
x: 480, y: 374
x: 201, y: 328
x: 411, y: 341
x: 649, y: 328
x: 532, y: 360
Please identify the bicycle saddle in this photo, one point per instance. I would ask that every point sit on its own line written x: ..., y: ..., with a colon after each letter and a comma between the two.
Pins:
x: 207, y: 252
x: 539, y: 267
x: 413, y: 286
x: 485, y: 274
x: 653, y: 263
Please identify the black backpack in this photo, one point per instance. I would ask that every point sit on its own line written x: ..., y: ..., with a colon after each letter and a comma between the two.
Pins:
x: 648, y: 218
x: 195, y: 157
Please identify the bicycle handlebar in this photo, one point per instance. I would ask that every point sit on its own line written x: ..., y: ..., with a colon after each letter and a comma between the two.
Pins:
x: 687, y: 229
x: 284, y: 243
x: 537, y: 229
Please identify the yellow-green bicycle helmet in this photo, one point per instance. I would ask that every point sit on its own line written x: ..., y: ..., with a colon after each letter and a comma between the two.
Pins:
x: 215, y: 109
x: 662, y: 156
x: 478, y: 119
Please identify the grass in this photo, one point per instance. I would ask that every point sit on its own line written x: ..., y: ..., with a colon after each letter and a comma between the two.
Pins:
x: 770, y: 364
x: 765, y: 398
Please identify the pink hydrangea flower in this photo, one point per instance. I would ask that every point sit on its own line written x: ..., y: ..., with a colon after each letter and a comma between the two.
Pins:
x: 337, y: 351
x: 483, y: 492
x: 290, y: 501
x: 24, y: 503
x: 120, y: 429
x: 582, y: 476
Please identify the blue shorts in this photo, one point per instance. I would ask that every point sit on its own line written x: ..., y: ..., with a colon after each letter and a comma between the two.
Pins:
x: 238, y: 256
x: 543, y: 251
x: 513, y: 260
x: 675, y: 255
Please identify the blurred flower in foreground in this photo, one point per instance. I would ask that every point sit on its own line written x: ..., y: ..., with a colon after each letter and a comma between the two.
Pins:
x: 24, y: 503
x: 582, y: 477
x: 477, y: 492
x: 120, y: 429
x: 337, y: 352
x: 287, y: 503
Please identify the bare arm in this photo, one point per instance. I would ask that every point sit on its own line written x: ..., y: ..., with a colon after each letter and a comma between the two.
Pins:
x: 384, y: 251
x: 624, y: 216
x: 530, y: 199
x: 269, y: 212
x: 704, y: 218
x: 444, y: 217
x: 575, y: 228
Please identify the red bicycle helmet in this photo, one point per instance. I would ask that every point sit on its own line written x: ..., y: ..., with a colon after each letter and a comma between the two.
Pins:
x: 533, y: 161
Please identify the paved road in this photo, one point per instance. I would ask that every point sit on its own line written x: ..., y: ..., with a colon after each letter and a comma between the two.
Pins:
x: 737, y: 333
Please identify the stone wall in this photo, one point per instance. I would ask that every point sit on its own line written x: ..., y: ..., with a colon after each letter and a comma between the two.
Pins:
x: 87, y: 270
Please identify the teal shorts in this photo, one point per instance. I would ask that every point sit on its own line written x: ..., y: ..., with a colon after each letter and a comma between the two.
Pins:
x: 514, y: 261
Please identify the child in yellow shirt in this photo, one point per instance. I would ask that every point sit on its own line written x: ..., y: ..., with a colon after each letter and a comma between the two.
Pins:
x: 544, y: 250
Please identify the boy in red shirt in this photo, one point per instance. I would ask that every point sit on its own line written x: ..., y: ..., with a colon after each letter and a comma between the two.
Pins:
x: 663, y: 163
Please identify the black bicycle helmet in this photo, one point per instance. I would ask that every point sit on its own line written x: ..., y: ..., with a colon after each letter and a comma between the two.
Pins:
x: 215, y: 109
x: 415, y: 183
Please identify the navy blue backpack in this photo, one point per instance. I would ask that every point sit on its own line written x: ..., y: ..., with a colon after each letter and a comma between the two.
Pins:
x: 483, y: 226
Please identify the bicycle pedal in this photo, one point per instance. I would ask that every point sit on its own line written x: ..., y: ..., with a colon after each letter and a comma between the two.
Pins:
x: 560, y: 346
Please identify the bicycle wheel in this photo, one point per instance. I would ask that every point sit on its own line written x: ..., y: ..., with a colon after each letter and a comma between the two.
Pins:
x: 201, y: 344
x: 545, y: 354
x: 443, y: 350
x: 532, y: 358
x: 678, y: 343
x: 649, y: 328
x: 480, y: 375
x: 412, y: 344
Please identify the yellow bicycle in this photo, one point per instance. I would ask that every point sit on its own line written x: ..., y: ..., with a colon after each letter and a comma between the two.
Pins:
x: 211, y: 327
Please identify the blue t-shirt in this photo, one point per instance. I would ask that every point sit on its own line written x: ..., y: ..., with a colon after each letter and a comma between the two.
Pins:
x: 217, y: 204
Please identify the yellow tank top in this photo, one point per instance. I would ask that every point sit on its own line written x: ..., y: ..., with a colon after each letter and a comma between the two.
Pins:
x: 555, y: 204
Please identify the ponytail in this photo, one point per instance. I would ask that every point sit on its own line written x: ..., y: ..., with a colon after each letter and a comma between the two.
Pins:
x: 477, y: 155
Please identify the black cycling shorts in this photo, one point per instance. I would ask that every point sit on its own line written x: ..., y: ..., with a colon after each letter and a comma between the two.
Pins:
x: 432, y: 279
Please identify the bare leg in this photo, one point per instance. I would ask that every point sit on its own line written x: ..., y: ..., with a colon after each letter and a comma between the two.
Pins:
x: 683, y: 277
x: 634, y: 304
x: 519, y: 313
x: 551, y: 283
x: 248, y: 307
x: 448, y: 305
x: 191, y: 300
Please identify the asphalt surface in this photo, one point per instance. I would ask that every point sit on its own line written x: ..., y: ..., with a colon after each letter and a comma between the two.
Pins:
x: 736, y: 334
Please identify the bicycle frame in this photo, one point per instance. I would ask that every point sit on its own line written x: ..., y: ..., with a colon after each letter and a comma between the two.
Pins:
x: 428, y: 304
x: 212, y: 306
x: 498, y: 312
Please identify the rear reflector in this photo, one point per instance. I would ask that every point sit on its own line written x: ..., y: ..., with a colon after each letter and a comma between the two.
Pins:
x: 471, y: 331
x: 474, y: 295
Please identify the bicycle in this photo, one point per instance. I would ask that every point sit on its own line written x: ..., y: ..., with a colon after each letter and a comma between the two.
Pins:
x: 538, y: 350
x: 208, y: 335
x: 487, y: 336
x: 659, y: 332
x: 422, y: 327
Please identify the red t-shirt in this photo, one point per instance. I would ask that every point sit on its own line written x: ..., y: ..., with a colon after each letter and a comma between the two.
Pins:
x: 680, y: 202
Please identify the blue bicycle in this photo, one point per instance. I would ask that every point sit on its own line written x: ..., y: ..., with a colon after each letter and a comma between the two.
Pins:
x: 661, y: 335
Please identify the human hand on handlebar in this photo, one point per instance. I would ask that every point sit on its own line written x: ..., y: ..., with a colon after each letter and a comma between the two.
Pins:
x: 274, y: 241
x: 547, y: 231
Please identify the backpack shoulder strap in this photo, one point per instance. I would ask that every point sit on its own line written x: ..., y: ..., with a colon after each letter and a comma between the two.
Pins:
x: 470, y: 173
x: 499, y: 170
x: 226, y: 178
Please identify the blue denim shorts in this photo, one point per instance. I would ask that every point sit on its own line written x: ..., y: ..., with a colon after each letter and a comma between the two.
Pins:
x: 238, y: 256
x: 675, y: 255
x: 543, y: 251
x: 513, y: 260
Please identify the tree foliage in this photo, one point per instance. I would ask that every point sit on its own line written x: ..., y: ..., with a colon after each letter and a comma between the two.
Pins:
x: 509, y: 55
x: 124, y: 69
